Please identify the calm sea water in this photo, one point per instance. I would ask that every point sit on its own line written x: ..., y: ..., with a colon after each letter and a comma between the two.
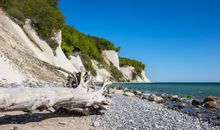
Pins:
x: 199, y: 90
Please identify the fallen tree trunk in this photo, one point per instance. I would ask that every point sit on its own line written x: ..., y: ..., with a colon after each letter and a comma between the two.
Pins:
x: 72, y: 76
x: 30, y: 99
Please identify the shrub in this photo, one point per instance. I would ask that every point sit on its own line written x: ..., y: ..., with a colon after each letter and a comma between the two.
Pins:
x: 88, y: 64
x: 53, y: 2
x: 91, y: 47
x: 53, y: 44
x: 138, y: 66
x: 66, y: 49
x: 116, y: 74
x: 43, y: 13
x: 16, y: 13
x: 103, y: 44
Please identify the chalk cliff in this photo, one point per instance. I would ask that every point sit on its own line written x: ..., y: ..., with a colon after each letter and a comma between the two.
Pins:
x: 24, y: 55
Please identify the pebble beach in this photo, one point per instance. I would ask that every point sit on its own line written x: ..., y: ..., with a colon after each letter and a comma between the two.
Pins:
x: 127, y: 112
x: 132, y: 113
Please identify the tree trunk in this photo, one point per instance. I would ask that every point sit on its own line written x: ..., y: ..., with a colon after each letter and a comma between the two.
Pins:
x: 30, y: 99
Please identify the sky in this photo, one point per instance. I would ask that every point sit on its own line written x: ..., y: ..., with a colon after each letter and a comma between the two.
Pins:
x: 178, y: 40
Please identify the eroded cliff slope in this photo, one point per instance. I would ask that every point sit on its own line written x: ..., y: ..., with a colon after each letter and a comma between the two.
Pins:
x: 23, y: 55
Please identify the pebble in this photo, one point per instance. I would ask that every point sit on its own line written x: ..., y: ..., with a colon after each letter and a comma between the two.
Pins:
x: 129, y: 113
x: 96, y: 124
x: 14, y: 128
x: 62, y: 123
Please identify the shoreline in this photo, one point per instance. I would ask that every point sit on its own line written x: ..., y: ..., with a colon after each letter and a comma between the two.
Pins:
x: 130, y: 109
x: 133, y: 111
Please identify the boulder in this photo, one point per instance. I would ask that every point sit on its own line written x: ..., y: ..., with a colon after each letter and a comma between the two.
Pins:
x: 166, y: 97
x: 119, y: 92
x: 129, y: 94
x: 155, y: 98
x: 174, y: 96
x: 137, y: 93
x: 195, y: 102
x: 218, y: 116
x: 211, y: 104
x: 145, y: 97
x: 211, y: 98
x: 177, y: 99
x: 180, y: 106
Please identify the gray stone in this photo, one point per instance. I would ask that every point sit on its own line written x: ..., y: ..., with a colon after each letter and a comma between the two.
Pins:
x: 129, y: 94
x: 211, y: 104
x: 177, y: 99
x: 63, y: 123
x: 155, y: 98
x: 96, y: 124
x: 145, y: 97
x: 14, y: 128
x: 128, y: 113
x: 195, y: 102
x: 211, y: 98
x: 137, y: 93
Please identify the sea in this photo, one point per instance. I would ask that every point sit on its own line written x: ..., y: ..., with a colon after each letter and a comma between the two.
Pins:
x: 198, y: 90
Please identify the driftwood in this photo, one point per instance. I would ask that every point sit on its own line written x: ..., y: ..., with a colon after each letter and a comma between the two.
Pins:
x: 83, y: 98
x: 72, y: 79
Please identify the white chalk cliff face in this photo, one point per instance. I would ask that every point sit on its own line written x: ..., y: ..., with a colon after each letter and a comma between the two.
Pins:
x: 77, y: 62
x: 41, y: 48
x: 10, y: 34
x: 102, y: 74
x: 23, y: 54
x: 22, y: 47
x: 9, y: 73
x: 144, y: 77
x: 60, y: 59
x: 14, y: 33
x: 127, y: 71
x: 112, y: 56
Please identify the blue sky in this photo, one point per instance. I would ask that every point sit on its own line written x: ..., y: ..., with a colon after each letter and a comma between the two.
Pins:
x: 178, y: 40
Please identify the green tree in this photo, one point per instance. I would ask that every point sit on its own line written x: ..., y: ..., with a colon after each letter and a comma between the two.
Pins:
x: 103, y: 44
x: 45, y: 17
x: 53, y: 2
